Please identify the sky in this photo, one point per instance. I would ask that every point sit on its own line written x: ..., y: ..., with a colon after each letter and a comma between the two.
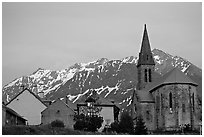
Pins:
x: 55, y: 36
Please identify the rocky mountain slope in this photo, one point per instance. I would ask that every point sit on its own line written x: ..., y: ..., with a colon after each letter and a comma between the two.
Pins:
x: 112, y: 79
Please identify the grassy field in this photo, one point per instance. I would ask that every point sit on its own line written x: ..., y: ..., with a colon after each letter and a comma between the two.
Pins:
x: 43, y: 130
x: 48, y: 130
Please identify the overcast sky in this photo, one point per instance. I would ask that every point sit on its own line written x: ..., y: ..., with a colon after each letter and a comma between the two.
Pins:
x: 57, y: 35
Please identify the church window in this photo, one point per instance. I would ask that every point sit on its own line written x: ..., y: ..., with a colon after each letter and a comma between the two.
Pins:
x: 170, y: 101
x: 150, y: 75
x: 147, y: 57
x: 193, y: 102
x: 145, y: 75
x: 135, y: 108
x: 148, y: 116
x: 183, y: 108
x: 157, y: 102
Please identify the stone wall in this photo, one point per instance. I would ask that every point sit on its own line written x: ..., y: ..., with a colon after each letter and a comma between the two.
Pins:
x: 182, y: 109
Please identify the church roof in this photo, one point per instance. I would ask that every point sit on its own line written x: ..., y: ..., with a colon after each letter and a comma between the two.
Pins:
x: 145, y: 96
x: 145, y: 55
x: 175, y: 76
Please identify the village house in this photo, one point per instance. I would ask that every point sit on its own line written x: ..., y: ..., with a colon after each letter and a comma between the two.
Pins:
x: 167, y: 102
x: 28, y: 105
x: 97, y: 105
x: 59, y: 110
x: 10, y: 117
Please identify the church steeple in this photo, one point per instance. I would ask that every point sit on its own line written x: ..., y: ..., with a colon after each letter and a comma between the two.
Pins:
x: 145, y: 64
x: 145, y: 55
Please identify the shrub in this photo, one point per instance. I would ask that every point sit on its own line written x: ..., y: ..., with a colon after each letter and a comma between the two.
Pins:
x: 57, y: 123
x: 126, y: 124
x: 115, y: 126
x: 140, y: 128
x: 87, y: 123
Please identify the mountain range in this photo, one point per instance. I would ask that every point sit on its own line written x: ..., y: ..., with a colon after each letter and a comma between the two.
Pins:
x: 112, y: 79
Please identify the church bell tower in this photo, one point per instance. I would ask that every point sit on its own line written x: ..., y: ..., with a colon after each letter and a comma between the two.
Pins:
x: 145, y: 64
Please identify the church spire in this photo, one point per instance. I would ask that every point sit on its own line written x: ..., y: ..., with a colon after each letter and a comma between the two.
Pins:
x: 145, y: 55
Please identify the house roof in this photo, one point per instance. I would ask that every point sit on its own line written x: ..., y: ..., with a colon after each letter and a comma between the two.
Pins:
x: 58, y: 100
x: 175, y: 76
x: 31, y: 93
x: 13, y: 112
x: 69, y: 103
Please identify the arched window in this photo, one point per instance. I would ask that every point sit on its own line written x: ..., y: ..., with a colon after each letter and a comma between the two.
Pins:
x: 147, y: 57
x: 150, y: 75
x: 183, y: 108
x: 170, y: 100
x: 193, y: 101
x: 145, y: 75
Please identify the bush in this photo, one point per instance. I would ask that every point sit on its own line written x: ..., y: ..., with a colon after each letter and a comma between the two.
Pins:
x: 87, y: 123
x: 115, y: 126
x: 140, y: 128
x: 57, y: 123
x: 126, y: 124
x: 187, y: 128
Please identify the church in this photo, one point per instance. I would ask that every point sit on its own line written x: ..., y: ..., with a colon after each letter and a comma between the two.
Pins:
x: 165, y: 103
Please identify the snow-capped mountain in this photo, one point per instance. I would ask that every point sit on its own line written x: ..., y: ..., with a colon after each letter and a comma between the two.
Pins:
x: 112, y: 79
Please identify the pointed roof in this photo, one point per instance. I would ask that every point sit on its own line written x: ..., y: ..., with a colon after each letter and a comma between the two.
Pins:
x: 145, y: 55
x: 60, y: 101
x: 26, y: 89
x: 175, y: 76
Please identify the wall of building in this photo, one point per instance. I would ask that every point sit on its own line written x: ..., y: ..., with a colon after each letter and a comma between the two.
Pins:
x: 108, y: 116
x: 3, y: 116
x: 147, y: 113
x: 58, y: 111
x: 182, y: 111
x: 28, y: 106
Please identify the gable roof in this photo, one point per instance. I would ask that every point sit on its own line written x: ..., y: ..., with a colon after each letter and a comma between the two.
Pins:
x: 69, y: 103
x: 30, y: 92
x: 175, y: 76
x: 13, y: 112
x: 62, y: 102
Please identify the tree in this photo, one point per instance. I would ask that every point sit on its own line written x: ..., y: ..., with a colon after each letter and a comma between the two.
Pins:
x: 126, y: 124
x: 140, y: 128
x: 87, y: 123
x: 115, y: 126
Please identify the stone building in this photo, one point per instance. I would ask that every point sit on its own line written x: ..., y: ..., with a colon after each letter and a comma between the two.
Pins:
x: 164, y: 103
x: 59, y: 110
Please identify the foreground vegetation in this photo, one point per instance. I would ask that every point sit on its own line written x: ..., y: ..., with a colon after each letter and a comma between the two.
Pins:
x: 48, y: 130
x: 87, y: 126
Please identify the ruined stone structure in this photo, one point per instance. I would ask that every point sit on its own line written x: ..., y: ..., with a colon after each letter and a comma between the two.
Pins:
x: 168, y: 102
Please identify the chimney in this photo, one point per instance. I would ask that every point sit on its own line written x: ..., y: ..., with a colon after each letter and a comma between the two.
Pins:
x: 41, y: 94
